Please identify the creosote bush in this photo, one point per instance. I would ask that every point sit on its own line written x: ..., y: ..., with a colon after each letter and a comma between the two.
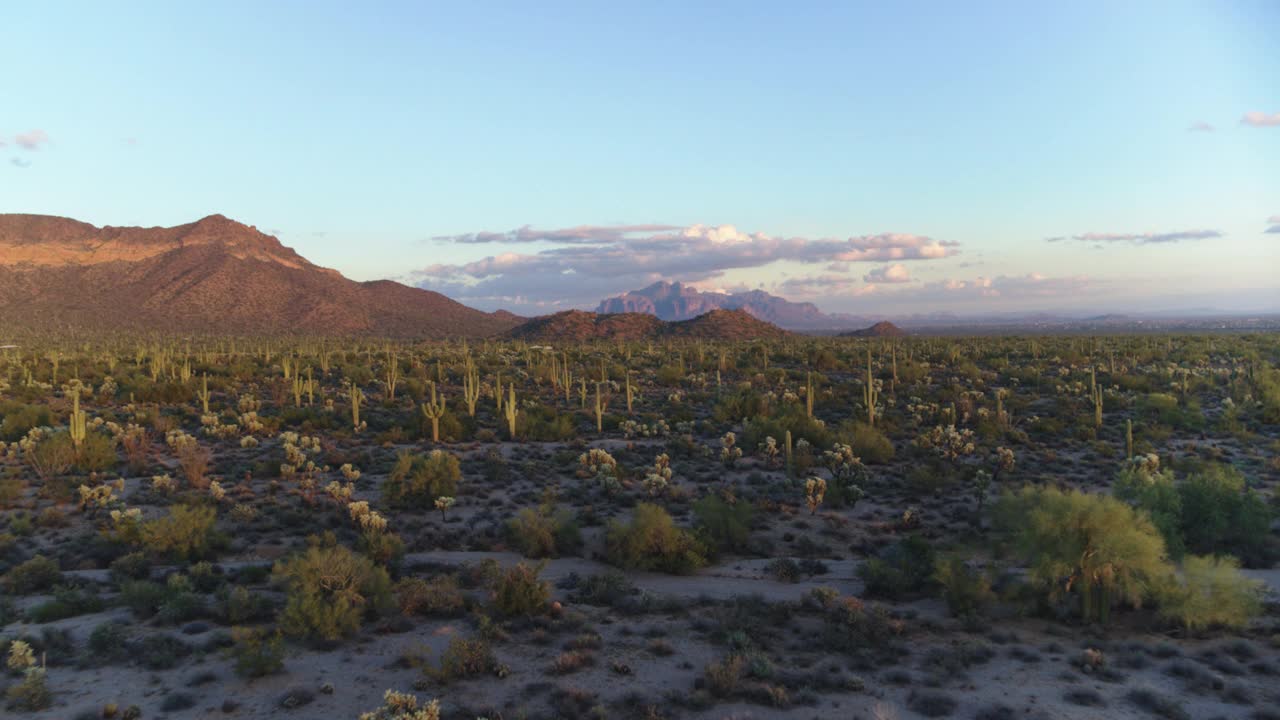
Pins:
x: 1211, y: 592
x: 519, y: 592
x: 331, y: 589
x: 651, y: 541
x: 416, y: 481
x: 186, y: 533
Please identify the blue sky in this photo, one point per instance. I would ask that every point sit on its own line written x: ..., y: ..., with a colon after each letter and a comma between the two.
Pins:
x: 889, y: 157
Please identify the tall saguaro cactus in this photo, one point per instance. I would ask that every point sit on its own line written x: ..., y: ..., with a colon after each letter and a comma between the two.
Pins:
x: 203, y: 393
x: 356, y: 397
x: 1095, y: 393
x: 869, y: 394
x: 78, y: 425
x: 471, y: 387
x: 433, y: 411
x: 511, y: 411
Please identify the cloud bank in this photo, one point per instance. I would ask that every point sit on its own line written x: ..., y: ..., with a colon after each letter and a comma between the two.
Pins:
x: 591, y: 262
x: 1261, y: 119
x: 1140, y: 238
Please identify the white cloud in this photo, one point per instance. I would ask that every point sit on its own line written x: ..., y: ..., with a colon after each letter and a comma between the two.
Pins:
x: 1140, y: 238
x: 895, y: 273
x: 1260, y: 119
x: 608, y: 260
x: 32, y: 140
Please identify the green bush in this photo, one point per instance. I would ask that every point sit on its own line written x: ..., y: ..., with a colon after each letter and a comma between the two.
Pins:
x: 1220, y: 515
x: 185, y: 534
x: 257, y: 652
x: 653, y: 542
x: 868, y: 443
x: 519, y: 592
x: 1211, y: 593
x: 544, y: 532
x: 67, y: 602
x: 1157, y: 494
x: 464, y: 658
x: 35, y: 575
x: 1085, y: 545
x: 966, y: 591
x: 722, y: 525
x: 19, y: 418
x: 902, y: 570
x: 331, y: 589
x: 438, y: 596
x: 416, y: 481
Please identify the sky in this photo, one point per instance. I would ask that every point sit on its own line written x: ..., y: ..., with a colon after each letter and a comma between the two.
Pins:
x: 884, y: 158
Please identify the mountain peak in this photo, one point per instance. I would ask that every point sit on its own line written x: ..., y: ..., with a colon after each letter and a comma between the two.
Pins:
x: 212, y: 275
x: 672, y: 301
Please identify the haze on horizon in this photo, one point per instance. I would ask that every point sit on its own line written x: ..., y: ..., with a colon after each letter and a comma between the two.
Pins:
x: 918, y: 157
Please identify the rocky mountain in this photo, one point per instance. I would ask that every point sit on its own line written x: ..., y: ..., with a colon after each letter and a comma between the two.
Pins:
x: 675, y: 302
x: 211, y: 276
x: 578, y: 325
x: 880, y: 329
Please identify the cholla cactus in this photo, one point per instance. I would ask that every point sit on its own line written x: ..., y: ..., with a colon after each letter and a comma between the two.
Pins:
x: 163, y: 484
x: 339, y: 492
x: 21, y: 656
x: 815, y: 490
x: 729, y: 452
x: 658, y: 478
x: 403, y: 706
x: 368, y: 520
x: 595, y: 461
x: 443, y: 503
x: 769, y: 451
x: 349, y: 472
x: 949, y: 443
x: 248, y: 441
x: 216, y: 491
x: 100, y: 496
x: 1003, y: 461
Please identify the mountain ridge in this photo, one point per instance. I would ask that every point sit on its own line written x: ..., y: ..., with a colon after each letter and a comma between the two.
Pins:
x: 214, y: 275
x: 674, y: 301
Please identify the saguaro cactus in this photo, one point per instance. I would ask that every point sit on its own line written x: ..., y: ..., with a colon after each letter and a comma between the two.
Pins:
x: 471, y: 387
x: 203, y: 393
x: 599, y: 408
x: 356, y: 397
x: 77, y: 425
x: 1095, y: 392
x: 869, y: 394
x: 511, y: 411
x: 630, y: 393
x: 433, y: 411
x: 808, y: 394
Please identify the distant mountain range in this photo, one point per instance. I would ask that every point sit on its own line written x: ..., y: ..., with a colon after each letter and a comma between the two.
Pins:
x: 673, y: 302
x: 211, y: 276
x: 579, y: 325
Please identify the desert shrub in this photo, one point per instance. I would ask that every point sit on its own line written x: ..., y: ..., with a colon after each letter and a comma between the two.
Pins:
x: 19, y: 418
x: 67, y: 602
x: 237, y: 605
x: 1093, y: 546
x: 402, y: 706
x: 868, y: 443
x: 784, y: 570
x: 723, y: 525
x: 519, y: 592
x: 850, y: 626
x: 186, y: 533
x: 1145, y: 487
x: 1211, y: 592
x: 544, y: 424
x: 11, y: 491
x: 651, y: 541
x: 607, y: 589
x: 722, y: 677
x: 793, y: 419
x: 35, y: 575
x: 544, y: 532
x: 416, y: 481
x: 966, y: 591
x: 52, y: 457
x: 108, y: 641
x: 143, y: 597
x: 903, y: 569
x: 1220, y: 515
x: 257, y: 652
x: 331, y: 589
x: 31, y: 694
x: 464, y: 658
x: 438, y: 596
x: 97, y: 453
